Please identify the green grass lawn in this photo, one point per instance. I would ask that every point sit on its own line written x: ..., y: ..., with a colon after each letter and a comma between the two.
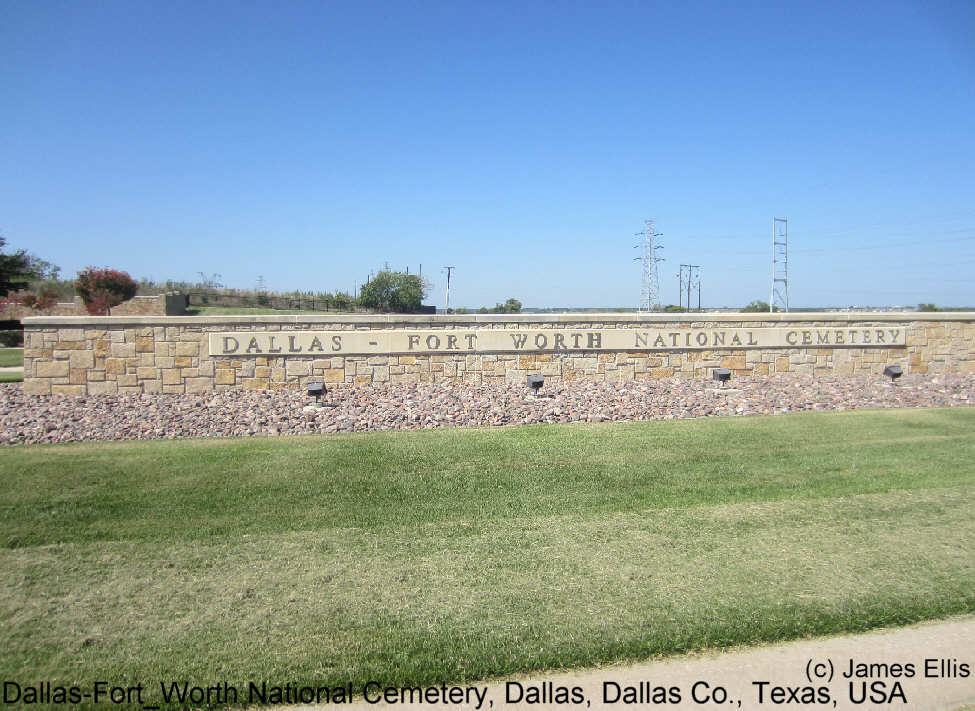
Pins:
x: 11, y: 357
x: 11, y: 377
x: 417, y: 557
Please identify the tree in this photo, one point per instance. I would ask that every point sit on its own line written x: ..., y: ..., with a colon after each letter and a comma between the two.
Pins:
x: 397, y: 292
x: 757, y: 307
x: 16, y: 271
x: 512, y: 306
x: 101, y: 289
x: 927, y: 307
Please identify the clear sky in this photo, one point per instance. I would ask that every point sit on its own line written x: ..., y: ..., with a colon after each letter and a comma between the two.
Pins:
x: 522, y: 142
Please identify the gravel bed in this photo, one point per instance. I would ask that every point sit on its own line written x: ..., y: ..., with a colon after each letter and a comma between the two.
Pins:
x: 30, y: 419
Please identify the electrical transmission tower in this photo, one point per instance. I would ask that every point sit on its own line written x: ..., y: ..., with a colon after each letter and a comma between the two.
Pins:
x: 650, y: 287
x: 779, y: 297
x: 693, y: 279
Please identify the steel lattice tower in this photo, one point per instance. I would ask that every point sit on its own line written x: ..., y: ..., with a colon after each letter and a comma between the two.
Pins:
x: 650, y: 285
x: 779, y: 293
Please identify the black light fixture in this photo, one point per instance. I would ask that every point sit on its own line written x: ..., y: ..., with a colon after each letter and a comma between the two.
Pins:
x: 722, y: 375
x: 535, y: 383
x: 893, y: 372
x: 317, y: 390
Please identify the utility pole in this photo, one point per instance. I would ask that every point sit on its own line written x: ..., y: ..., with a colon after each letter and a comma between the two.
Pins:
x: 688, y: 283
x: 446, y: 307
x: 650, y: 284
x: 779, y: 293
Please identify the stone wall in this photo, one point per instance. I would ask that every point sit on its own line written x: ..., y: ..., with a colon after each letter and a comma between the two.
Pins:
x: 131, y: 354
x: 160, y: 305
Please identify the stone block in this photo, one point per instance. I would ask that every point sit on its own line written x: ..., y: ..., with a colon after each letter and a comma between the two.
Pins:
x: 68, y: 390
x: 733, y: 362
x: 146, y: 373
x: 183, y: 361
x: 34, y: 386
x: 199, y: 385
x: 152, y: 386
x: 105, y: 388
x: 81, y: 359
x: 77, y: 376
x: 102, y: 347
x: 51, y: 369
x: 170, y: 376
x: 225, y: 377
x: 127, y: 381
x: 123, y: 350
x: 114, y: 365
x: 335, y: 375
x: 145, y: 345
x: 662, y: 372
x: 252, y: 384
x: 297, y: 368
x: 188, y: 348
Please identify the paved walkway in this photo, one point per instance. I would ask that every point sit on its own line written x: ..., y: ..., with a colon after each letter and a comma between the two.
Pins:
x: 941, y: 648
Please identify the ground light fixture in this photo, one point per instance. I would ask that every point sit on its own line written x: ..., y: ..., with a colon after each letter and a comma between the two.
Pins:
x: 318, y: 390
x: 893, y: 372
x: 722, y: 375
x: 535, y: 383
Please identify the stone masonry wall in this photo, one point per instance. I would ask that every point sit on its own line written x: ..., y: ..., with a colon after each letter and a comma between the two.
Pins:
x: 95, y: 355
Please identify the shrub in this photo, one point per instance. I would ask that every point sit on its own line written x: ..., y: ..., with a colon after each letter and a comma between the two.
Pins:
x: 101, y: 289
x: 11, y: 339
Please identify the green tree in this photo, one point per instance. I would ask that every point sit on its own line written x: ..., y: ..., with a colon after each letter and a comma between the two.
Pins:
x: 757, y: 307
x: 395, y: 292
x: 16, y: 270
x: 927, y: 307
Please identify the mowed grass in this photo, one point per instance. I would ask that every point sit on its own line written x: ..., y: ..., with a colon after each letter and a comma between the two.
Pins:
x: 418, y: 557
x: 11, y: 357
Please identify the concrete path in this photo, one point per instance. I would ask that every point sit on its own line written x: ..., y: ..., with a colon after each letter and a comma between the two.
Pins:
x: 929, y: 666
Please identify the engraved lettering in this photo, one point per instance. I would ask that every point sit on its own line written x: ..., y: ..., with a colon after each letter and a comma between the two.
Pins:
x: 452, y: 343
x: 433, y: 342
x: 702, y: 338
x: 471, y: 337
x: 807, y: 338
x: 719, y: 338
x: 316, y: 345
x: 575, y: 339
x: 880, y: 335
x: 413, y: 340
x: 253, y: 347
x: 519, y: 339
x: 659, y: 341
x: 541, y: 341
x: 735, y: 340
x: 751, y: 340
x: 226, y: 344
x: 595, y: 340
x: 822, y: 337
x: 336, y: 343
x: 792, y: 338
x: 641, y: 339
x: 292, y: 346
x: 271, y: 348
x: 559, y: 341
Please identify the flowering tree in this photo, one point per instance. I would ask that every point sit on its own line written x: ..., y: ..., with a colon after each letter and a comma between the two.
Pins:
x: 101, y: 289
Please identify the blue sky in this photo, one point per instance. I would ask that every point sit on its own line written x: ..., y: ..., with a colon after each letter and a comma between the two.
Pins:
x: 523, y: 143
